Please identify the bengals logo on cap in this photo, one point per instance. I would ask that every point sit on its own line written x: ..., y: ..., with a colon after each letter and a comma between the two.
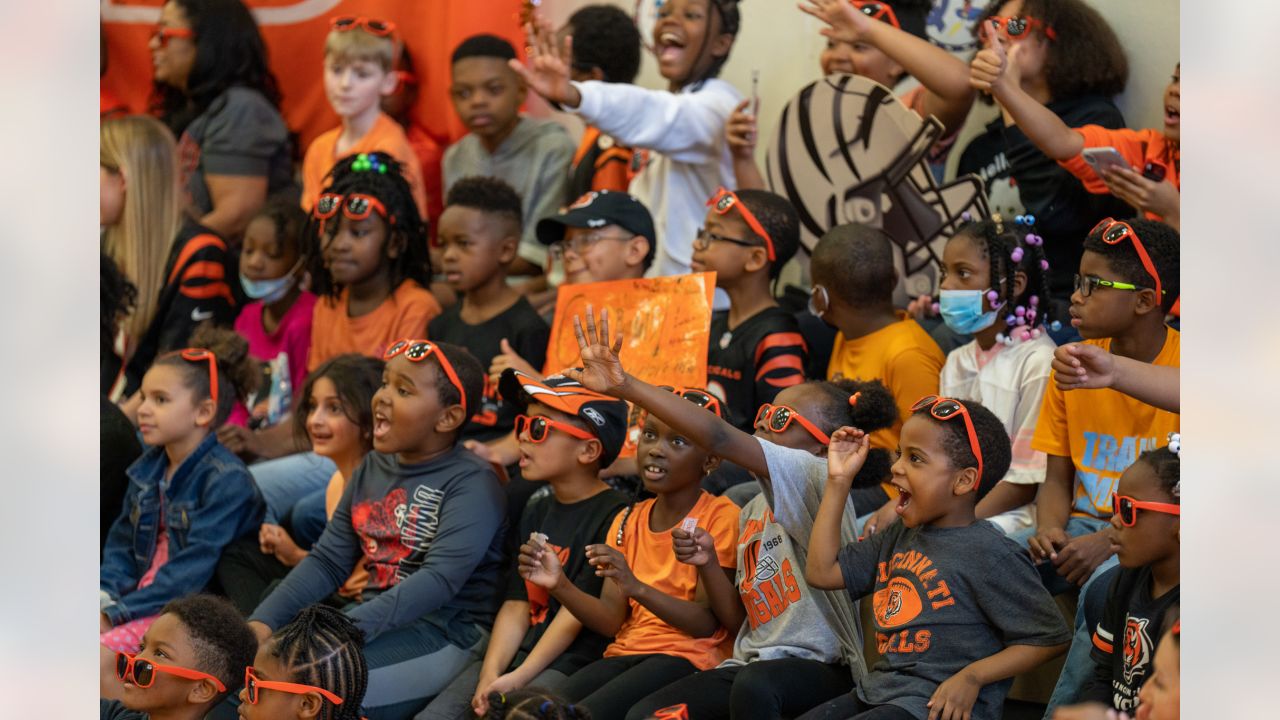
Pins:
x: 585, y: 200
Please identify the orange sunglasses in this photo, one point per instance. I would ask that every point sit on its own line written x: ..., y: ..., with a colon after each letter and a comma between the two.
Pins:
x: 877, y: 11
x: 539, y: 426
x: 196, y: 355
x: 1016, y: 28
x: 142, y: 672
x: 1114, y: 231
x: 1127, y: 508
x: 253, y: 684
x: 778, y: 418
x: 415, y: 351
x: 358, y: 206
x: 345, y: 23
x: 725, y: 200
x: 944, y: 408
x: 164, y: 34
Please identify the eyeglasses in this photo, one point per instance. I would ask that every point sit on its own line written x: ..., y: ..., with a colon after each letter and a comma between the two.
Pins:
x: 1127, y: 508
x: 143, y: 672
x: 944, y: 408
x: 539, y: 426
x: 163, y: 35
x: 196, y: 355
x: 358, y: 206
x: 724, y: 201
x: 778, y: 418
x: 877, y: 11
x: 1016, y: 28
x: 580, y: 243
x: 415, y: 351
x: 345, y: 23
x: 705, y: 237
x: 1086, y: 284
x: 1115, y: 231
x: 253, y: 684
x: 701, y: 398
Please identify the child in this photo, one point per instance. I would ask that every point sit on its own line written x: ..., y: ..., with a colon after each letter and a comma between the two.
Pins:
x: 424, y: 517
x: 478, y: 241
x: 683, y: 126
x: 1151, y: 177
x: 277, y: 324
x: 1160, y: 696
x: 336, y: 417
x: 399, y: 105
x: 533, y: 704
x: 653, y: 604
x: 369, y: 264
x: 188, y: 496
x: 756, y: 348
x: 606, y: 47
x: 189, y: 659
x: 567, y: 436
x: 994, y: 288
x: 360, y: 57
x: 311, y: 668
x: 853, y: 283
x: 533, y: 154
x: 798, y: 646
x: 958, y: 612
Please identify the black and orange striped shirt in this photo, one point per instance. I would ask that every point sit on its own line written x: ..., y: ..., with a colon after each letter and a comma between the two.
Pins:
x: 749, y: 365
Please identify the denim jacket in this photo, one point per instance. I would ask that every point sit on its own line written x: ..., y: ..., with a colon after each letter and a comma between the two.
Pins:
x: 210, y: 501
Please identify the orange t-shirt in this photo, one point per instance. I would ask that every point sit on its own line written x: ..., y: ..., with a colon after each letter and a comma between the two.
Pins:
x: 360, y: 576
x: 386, y: 136
x: 405, y: 313
x: 653, y: 561
x: 1138, y: 147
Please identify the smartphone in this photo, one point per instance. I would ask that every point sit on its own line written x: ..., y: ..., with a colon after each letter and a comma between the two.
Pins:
x: 1104, y: 158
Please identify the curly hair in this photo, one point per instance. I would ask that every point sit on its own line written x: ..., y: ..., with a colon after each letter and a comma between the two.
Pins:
x: 322, y: 647
x: 489, y: 195
x: 469, y: 371
x: 998, y: 241
x: 779, y: 219
x: 239, y: 374
x: 483, y: 46
x: 993, y: 441
x: 605, y: 37
x: 532, y: 704
x: 1161, y: 242
x: 855, y: 263
x: 355, y: 378
x: 117, y: 297
x: 867, y: 405
x: 1167, y: 466
x: 224, y: 644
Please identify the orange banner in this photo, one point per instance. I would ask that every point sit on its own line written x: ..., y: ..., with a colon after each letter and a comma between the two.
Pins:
x: 294, y: 31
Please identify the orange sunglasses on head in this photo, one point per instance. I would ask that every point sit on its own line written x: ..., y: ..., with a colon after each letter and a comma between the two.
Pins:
x: 697, y: 396
x: 253, y: 684
x: 164, y: 34
x: 345, y: 23
x: 944, y: 408
x: 1016, y: 28
x: 196, y: 355
x: 1114, y: 231
x: 725, y: 200
x: 539, y: 426
x: 778, y: 418
x: 358, y: 206
x: 142, y: 672
x: 1127, y: 508
x: 877, y: 11
x: 415, y: 351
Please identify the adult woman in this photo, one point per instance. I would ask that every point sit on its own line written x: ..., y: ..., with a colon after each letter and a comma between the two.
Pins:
x: 215, y: 91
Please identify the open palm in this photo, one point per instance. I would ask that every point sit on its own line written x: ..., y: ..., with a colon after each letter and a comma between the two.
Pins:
x: 548, y: 70
x: 540, y: 566
x: 847, y: 22
x: 847, y: 452
x: 601, y: 369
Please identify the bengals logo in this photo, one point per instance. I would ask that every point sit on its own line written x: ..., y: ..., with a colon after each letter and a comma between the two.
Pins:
x: 897, y: 603
x: 750, y: 556
x: 1137, y: 648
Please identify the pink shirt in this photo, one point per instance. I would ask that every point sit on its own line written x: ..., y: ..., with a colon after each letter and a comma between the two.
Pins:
x: 292, y: 336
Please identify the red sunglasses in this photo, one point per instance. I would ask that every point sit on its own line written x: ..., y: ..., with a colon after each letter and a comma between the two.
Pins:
x: 725, y: 200
x: 877, y: 11
x: 142, y: 672
x: 196, y: 355
x: 358, y: 206
x: 1127, y: 508
x: 944, y: 408
x: 539, y: 426
x: 778, y: 418
x: 418, y: 350
x: 253, y: 685
x: 1114, y: 231
x: 1016, y: 28
x: 345, y: 23
x: 163, y: 35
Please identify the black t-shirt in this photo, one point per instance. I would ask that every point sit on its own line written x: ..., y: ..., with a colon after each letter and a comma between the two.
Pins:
x: 1021, y: 179
x: 521, y: 326
x: 569, y: 528
x: 1125, y: 639
x: 751, y: 364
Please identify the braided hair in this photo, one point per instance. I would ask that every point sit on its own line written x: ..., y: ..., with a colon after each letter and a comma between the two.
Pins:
x: 382, y: 177
x: 323, y: 648
x: 532, y: 704
x: 867, y: 405
x: 1010, y: 248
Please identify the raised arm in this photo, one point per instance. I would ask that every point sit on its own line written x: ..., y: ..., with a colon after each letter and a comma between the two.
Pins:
x: 996, y: 71
x: 845, y: 455
x: 1079, y: 366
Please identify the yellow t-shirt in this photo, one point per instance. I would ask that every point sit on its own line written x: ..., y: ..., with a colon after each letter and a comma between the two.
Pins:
x: 1103, y: 431
x: 902, y: 356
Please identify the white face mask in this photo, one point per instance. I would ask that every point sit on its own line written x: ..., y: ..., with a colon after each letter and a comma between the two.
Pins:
x: 269, y: 291
x: 826, y: 300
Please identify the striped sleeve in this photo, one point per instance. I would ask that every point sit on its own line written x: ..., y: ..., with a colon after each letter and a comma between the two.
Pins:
x: 780, y: 359
x: 201, y: 270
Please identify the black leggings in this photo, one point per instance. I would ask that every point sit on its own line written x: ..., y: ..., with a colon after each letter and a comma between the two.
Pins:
x: 610, y: 686
x: 764, y: 689
x: 849, y: 707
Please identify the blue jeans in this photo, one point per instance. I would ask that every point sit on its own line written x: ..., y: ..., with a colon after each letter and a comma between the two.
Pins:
x: 284, y: 481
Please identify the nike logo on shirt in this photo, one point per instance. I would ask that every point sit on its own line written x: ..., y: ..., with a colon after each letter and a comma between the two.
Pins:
x: 197, y: 316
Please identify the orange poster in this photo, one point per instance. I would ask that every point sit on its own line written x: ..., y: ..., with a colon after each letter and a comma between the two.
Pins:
x: 665, y: 322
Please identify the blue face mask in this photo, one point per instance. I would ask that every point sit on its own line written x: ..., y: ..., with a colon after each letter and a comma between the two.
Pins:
x: 269, y: 291
x: 962, y: 311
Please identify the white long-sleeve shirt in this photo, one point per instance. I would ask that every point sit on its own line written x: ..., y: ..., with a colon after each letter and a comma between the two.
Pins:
x: 690, y: 157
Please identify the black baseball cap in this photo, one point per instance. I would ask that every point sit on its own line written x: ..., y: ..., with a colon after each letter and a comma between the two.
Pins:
x: 604, y: 417
x: 597, y: 209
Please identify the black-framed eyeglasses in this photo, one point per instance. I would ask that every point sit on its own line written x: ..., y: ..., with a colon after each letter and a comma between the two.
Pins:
x: 1086, y: 284
x: 705, y: 237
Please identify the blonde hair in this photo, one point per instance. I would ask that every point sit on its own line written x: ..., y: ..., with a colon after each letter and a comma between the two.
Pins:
x: 144, y: 151
x: 358, y: 44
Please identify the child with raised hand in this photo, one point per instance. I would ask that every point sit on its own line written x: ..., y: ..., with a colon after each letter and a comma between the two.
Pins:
x: 798, y: 647
x: 567, y: 434
x: 958, y: 612
x: 335, y: 415
x: 425, y: 518
x: 360, y: 56
x: 478, y: 240
x: 188, y: 497
x: 313, y: 667
x: 277, y: 324
x: 682, y: 127
x: 1151, y: 177
x: 653, y: 604
x: 188, y: 660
